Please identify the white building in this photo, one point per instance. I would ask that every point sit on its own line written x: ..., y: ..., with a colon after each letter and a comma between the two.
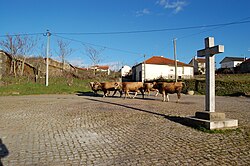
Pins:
x: 199, y: 65
x: 231, y: 62
x: 159, y: 67
x: 104, y: 69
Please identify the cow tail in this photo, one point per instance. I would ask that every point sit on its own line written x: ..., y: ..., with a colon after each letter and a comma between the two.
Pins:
x: 184, y: 84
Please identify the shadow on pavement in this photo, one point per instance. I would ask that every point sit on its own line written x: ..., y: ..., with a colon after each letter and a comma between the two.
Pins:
x: 79, y: 93
x: 177, y: 119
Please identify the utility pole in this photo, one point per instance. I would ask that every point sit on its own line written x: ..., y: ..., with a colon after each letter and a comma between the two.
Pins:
x: 175, y: 60
x: 144, y: 73
x: 48, y: 34
x: 194, y: 59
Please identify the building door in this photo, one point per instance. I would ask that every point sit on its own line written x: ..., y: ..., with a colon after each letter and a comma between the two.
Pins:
x: 140, y: 76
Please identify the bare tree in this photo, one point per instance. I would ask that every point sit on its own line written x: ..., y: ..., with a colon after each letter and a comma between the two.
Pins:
x: 12, y: 45
x: 63, y: 51
x: 94, y: 55
x: 19, y: 47
x: 27, y: 49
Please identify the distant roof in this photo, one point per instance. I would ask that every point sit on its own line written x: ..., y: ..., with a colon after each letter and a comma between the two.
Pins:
x: 246, y: 61
x: 201, y: 60
x: 229, y: 59
x: 100, y: 67
x: 160, y: 60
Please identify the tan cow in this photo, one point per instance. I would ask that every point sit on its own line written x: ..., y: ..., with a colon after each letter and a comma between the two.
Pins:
x: 108, y: 86
x: 149, y: 87
x: 91, y: 84
x: 132, y: 87
x: 169, y: 87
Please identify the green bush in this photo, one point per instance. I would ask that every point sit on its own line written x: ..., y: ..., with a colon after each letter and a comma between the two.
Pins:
x: 222, y: 88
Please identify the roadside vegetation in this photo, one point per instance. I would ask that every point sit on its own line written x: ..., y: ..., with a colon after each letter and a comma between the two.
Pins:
x: 226, y: 85
x: 67, y: 84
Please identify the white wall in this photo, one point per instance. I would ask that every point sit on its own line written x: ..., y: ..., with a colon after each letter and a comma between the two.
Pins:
x: 236, y: 63
x: 230, y: 64
x: 156, y: 71
x: 166, y: 72
x: 227, y: 64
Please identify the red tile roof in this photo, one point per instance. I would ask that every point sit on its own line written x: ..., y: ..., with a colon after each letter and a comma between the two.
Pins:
x: 100, y: 67
x: 103, y: 67
x: 159, y: 60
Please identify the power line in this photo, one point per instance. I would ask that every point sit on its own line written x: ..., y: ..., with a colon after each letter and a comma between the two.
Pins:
x: 86, y: 43
x: 154, y: 30
x: 221, y: 26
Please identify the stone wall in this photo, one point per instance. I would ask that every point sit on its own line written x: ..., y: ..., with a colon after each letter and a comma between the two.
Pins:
x: 32, y: 66
x: 5, y: 61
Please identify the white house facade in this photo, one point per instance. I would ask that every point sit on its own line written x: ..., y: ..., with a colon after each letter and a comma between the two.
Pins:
x: 159, y: 67
x: 104, y: 69
x: 231, y: 62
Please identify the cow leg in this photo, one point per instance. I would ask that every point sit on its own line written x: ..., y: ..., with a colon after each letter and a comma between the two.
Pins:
x: 120, y: 93
x: 167, y: 97
x: 114, y: 92
x: 135, y: 95
x: 179, y: 97
x: 127, y: 94
x: 142, y: 92
x: 163, y: 95
x: 105, y: 93
x: 157, y: 92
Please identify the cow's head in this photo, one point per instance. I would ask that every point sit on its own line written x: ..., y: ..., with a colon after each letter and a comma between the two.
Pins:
x: 96, y: 86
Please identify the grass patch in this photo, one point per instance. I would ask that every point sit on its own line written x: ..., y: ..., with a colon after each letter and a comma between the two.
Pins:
x: 56, y: 86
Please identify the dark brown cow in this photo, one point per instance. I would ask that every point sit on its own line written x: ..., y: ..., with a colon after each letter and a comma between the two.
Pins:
x: 108, y: 86
x: 149, y: 87
x: 173, y: 87
x: 132, y: 87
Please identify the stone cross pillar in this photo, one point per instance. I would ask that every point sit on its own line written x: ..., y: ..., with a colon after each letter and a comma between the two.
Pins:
x: 209, y: 52
x: 209, y: 118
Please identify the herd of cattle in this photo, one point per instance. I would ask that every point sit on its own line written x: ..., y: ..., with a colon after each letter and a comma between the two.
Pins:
x: 125, y: 87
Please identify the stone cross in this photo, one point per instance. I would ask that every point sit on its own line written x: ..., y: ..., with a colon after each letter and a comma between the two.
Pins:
x: 209, y: 52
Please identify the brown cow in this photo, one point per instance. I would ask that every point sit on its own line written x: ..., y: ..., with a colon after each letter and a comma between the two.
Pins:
x: 149, y: 87
x: 108, y: 86
x: 132, y: 87
x: 91, y: 84
x: 172, y: 87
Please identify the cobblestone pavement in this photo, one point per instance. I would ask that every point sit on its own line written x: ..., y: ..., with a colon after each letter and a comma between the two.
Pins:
x: 86, y: 130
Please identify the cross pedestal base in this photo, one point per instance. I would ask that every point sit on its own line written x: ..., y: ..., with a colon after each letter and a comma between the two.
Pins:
x: 212, y: 120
